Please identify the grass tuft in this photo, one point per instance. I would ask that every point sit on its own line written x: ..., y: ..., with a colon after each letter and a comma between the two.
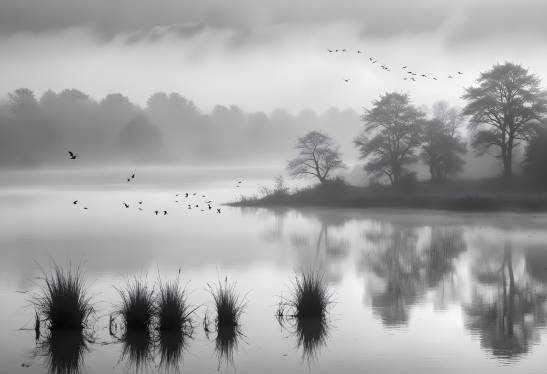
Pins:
x: 228, y: 304
x: 311, y: 297
x: 174, y: 313
x: 64, y: 303
x: 137, y: 307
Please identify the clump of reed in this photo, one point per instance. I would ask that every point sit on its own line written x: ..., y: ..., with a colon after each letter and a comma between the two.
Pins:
x: 304, y: 314
x: 173, y: 310
x: 137, y: 306
x: 175, y: 323
x: 229, y: 305
x: 310, y: 298
x: 63, y: 302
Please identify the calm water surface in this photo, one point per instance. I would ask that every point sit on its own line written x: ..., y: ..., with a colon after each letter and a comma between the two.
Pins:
x: 413, y: 291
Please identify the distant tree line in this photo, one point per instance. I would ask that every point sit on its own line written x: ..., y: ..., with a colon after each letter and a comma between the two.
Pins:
x: 168, y: 129
x: 506, y: 109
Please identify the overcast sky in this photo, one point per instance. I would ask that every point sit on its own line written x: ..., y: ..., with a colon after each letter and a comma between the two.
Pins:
x: 265, y: 54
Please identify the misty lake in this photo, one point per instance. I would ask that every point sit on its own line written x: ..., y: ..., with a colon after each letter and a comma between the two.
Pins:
x: 413, y: 291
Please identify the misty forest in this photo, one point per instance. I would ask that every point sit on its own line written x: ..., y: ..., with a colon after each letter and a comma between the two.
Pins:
x: 255, y: 187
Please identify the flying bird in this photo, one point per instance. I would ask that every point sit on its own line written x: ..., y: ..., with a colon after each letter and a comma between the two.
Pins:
x: 133, y: 176
x: 460, y: 73
x: 450, y: 77
x: 404, y: 67
x: 126, y: 205
x: 164, y: 212
x: 140, y: 202
x: 345, y: 80
x: 75, y: 202
x: 186, y: 194
x: 72, y: 155
x: 156, y: 212
x: 330, y: 50
x: 218, y: 210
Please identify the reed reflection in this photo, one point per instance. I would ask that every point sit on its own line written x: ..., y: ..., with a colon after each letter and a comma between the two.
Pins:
x: 64, y: 351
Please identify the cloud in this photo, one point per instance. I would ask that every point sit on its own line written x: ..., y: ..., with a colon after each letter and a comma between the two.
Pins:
x: 493, y: 19
x: 112, y: 17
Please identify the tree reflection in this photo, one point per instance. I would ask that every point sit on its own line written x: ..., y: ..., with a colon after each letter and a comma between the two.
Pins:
x: 395, y: 262
x: 506, y: 318
x: 402, y: 272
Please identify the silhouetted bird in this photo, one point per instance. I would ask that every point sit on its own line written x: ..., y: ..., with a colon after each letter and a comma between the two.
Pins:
x: 218, y: 210
x: 72, y: 155
x: 126, y: 205
x: 330, y: 50
x: 197, y: 206
x: 132, y: 176
x: 194, y: 194
x: 434, y: 78
x: 156, y: 212
x: 345, y: 80
x: 358, y: 51
x: 140, y: 208
x: 129, y: 179
x: 186, y: 194
x: 343, y: 50
x: 450, y: 77
x: 423, y: 75
x: 404, y: 67
x: 210, y: 207
x: 140, y: 202
x: 460, y: 73
x: 164, y: 212
x: 85, y: 207
x: 75, y: 202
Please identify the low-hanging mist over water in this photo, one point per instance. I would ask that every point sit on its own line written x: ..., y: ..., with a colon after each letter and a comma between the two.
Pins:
x: 265, y: 187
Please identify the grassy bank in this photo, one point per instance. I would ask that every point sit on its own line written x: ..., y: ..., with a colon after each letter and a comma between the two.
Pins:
x: 483, y: 195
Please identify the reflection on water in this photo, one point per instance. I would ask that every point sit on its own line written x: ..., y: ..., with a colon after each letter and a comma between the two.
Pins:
x: 405, y: 263
x: 479, y: 281
x: 226, y: 343
x: 64, y: 351
x: 507, y: 306
x: 172, y: 345
x: 402, y: 272
x: 311, y: 336
x: 137, y: 351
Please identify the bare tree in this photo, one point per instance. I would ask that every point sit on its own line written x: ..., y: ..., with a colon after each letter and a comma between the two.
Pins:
x: 504, y: 108
x: 391, y: 135
x: 318, y: 156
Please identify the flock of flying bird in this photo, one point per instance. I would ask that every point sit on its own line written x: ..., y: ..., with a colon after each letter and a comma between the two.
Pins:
x: 207, y: 207
x: 409, y: 74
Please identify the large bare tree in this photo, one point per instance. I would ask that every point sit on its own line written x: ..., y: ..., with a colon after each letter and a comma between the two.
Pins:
x: 504, y: 108
x: 318, y: 156
x: 391, y: 136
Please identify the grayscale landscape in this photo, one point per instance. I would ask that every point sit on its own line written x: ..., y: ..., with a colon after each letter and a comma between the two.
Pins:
x: 273, y: 187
